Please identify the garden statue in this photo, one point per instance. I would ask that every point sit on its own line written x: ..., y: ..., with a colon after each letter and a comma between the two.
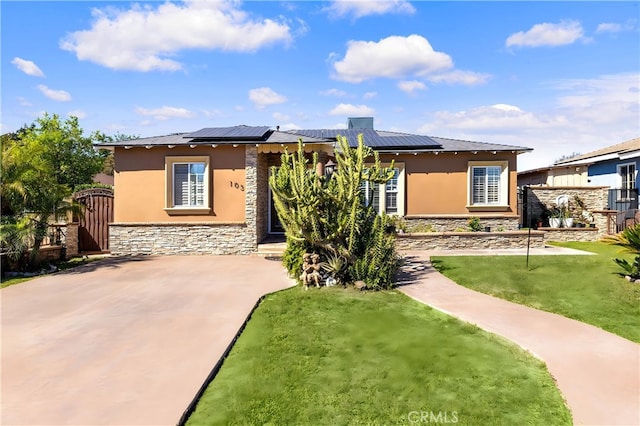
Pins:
x: 310, y: 270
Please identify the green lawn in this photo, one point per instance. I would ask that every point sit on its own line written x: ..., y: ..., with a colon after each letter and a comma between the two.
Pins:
x: 585, y: 288
x: 334, y: 356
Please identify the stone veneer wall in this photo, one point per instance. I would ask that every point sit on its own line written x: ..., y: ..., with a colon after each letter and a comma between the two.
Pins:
x: 451, y: 223
x: 541, y: 197
x: 186, y: 238
x: 468, y: 240
x: 571, y: 234
x: 251, y: 195
x: 195, y: 238
x: 595, y: 200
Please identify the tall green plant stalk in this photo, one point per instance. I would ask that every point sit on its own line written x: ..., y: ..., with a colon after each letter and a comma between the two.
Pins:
x: 327, y: 214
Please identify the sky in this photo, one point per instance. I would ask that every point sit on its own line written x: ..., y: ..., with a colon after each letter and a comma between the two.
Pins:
x: 558, y: 77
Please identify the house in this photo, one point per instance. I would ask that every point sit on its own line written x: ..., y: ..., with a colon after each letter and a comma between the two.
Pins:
x: 615, y: 167
x: 208, y: 192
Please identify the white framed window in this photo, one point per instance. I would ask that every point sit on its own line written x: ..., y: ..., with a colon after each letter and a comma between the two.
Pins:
x: 387, y: 197
x: 627, y: 177
x: 187, y: 185
x: 488, y: 184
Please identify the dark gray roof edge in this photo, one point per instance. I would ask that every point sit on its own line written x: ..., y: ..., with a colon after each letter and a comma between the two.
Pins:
x: 449, y: 144
x: 171, y: 139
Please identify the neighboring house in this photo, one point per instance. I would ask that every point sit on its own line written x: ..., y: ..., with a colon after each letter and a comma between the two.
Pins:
x: 208, y: 191
x: 615, y: 167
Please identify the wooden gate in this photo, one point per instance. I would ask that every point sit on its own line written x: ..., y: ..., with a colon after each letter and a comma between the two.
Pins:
x: 93, y: 229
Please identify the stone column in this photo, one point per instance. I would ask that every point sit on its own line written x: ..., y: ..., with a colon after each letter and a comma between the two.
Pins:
x: 322, y: 159
x: 251, y: 192
x: 71, y: 240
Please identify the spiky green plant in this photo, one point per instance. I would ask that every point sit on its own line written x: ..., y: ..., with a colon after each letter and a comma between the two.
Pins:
x: 327, y: 214
x: 629, y: 240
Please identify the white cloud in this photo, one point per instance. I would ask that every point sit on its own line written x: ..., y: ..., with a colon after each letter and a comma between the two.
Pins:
x: 607, y: 100
x: 391, y: 57
x: 352, y: 110
x: 56, y: 95
x: 145, y: 38
x: 608, y: 27
x: 410, y: 87
x: 289, y: 126
x: 468, y: 78
x: 23, y: 102
x: 566, y: 32
x: 370, y: 95
x: 588, y: 114
x: 264, y: 96
x: 497, y: 118
x: 360, y: 8
x: 280, y: 117
x: 27, y: 67
x: 165, y: 113
x: 77, y: 113
x: 333, y: 92
x: 212, y: 113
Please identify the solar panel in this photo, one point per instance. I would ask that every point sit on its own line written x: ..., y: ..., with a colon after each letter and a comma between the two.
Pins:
x: 243, y: 132
x: 372, y: 138
x: 247, y: 132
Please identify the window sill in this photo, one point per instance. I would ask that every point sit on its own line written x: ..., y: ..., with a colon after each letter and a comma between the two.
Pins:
x: 488, y: 208
x: 187, y: 210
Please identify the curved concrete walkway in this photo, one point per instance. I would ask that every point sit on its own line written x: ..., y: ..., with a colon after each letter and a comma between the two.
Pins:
x: 597, y: 372
x: 123, y: 341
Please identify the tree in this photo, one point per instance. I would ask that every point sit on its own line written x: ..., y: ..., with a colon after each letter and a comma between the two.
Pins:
x: 41, y: 164
x: 328, y: 215
x: 109, y: 159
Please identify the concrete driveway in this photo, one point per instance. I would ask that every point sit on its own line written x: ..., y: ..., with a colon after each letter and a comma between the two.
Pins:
x: 123, y: 341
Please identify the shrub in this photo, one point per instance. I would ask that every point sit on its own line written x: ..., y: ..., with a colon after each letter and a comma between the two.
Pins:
x: 474, y: 224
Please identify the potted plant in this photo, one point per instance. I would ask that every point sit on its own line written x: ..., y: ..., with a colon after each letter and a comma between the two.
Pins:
x: 555, y: 217
x: 582, y: 215
x: 567, y: 220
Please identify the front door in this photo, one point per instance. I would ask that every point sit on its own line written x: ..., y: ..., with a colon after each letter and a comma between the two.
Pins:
x: 275, y: 227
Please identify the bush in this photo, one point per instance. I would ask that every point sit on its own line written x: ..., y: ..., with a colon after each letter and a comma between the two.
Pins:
x: 292, y: 258
x: 474, y: 224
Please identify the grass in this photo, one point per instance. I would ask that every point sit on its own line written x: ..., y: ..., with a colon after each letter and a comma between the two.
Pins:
x: 333, y: 357
x: 62, y: 266
x: 585, y: 288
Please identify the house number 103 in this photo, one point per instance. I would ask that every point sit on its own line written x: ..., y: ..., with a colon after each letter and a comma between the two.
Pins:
x: 236, y: 185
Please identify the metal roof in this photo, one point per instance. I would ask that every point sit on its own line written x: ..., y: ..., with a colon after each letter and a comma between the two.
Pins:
x: 378, y: 140
x: 457, y: 145
x: 173, y: 139
x: 621, y: 148
x: 235, y: 132
x: 288, y: 137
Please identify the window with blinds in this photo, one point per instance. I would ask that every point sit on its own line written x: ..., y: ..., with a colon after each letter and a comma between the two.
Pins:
x: 371, y: 194
x: 391, y: 194
x: 189, y: 184
x: 389, y: 197
x: 627, y: 174
x: 485, y: 185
